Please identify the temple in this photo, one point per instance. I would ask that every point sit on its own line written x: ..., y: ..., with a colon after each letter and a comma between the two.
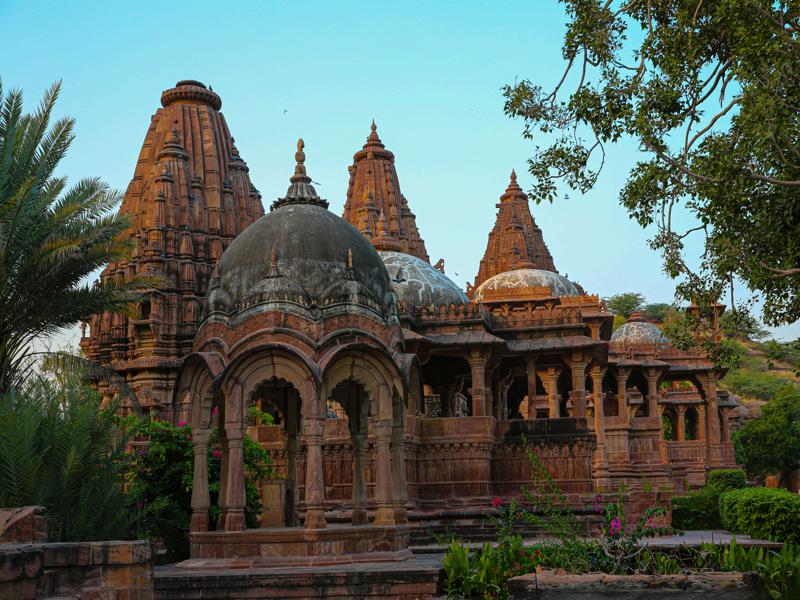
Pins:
x: 401, y: 404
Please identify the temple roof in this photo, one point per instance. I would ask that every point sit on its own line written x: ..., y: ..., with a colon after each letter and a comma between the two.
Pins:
x: 189, y: 197
x: 515, y: 241
x: 375, y: 205
x: 638, y: 331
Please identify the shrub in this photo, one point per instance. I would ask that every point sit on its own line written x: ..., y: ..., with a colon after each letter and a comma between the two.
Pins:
x: 697, y: 510
x: 727, y: 479
x: 160, y: 481
x: 61, y: 449
x: 765, y: 513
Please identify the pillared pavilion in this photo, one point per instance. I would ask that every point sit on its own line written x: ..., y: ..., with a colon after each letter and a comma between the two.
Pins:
x: 400, y: 401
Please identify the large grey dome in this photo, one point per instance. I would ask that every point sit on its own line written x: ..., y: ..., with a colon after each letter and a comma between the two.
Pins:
x: 638, y: 331
x: 526, y: 278
x: 416, y: 282
x: 303, y: 259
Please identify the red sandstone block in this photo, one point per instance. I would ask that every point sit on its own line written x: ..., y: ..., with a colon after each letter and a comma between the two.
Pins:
x: 67, y: 554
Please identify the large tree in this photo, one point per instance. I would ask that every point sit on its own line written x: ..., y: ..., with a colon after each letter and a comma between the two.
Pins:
x: 710, y: 91
x: 52, y: 238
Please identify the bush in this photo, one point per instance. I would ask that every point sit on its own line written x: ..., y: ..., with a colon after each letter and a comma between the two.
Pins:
x: 697, y: 510
x: 727, y: 479
x: 159, y: 479
x: 764, y: 513
x: 62, y: 449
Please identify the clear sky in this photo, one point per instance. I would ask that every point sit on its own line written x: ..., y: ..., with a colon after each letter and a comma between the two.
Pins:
x: 429, y: 73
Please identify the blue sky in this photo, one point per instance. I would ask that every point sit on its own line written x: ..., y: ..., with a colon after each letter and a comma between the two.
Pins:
x: 430, y: 75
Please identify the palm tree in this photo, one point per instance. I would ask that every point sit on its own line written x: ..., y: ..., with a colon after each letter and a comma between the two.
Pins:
x: 52, y: 238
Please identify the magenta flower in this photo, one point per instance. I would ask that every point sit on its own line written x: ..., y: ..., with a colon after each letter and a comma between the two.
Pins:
x: 615, y: 528
x: 183, y: 424
x: 214, y: 411
x: 597, y: 506
x: 216, y: 453
x: 497, y: 503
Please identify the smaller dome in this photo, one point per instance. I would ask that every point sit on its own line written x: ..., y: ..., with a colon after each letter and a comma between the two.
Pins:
x: 418, y: 283
x: 638, y: 331
x: 527, y: 278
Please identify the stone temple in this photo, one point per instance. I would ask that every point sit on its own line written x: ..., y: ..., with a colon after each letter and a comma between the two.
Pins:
x: 399, y: 400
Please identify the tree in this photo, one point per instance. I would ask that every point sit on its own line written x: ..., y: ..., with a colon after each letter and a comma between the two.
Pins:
x: 657, y: 311
x: 61, y: 449
x: 771, y: 443
x: 710, y: 90
x: 624, y: 304
x: 51, y: 238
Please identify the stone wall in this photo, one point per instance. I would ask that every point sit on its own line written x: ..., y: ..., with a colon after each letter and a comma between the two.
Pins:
x: 548, y: 585
x: 84, y: 571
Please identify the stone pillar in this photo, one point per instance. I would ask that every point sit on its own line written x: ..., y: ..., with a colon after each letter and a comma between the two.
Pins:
x: 725, y: 425
x: 709, y: 384
x: 359, y: 486
x: 200, y: 497
x: 223, y: 478
x: 701, y: 421
x: 383, y: 474
x: 531, y: 364
x: 234, y: 492
x: 680, y: 425
x: 315, y: 482
x: 400, y: 488
x: 652, y: 376
x: 601, y: 453
x: 477, y: 365
x: 622, y: 392
x: 578, y: 394
x: 552, y: 392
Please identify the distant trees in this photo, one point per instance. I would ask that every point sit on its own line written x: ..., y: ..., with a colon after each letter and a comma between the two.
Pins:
x: 771, y: 443
x: 624, y: 304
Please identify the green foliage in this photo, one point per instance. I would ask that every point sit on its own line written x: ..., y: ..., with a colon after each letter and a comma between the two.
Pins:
x: 52, y: 238
x: 159, y: 480
x: 741, y: 324
x: 657, y: 311
x: 771, y: 443
x: 709, y: 91
x: 786, y: 352
x: 625, y: 303
x: 697, y: 510
x: 619, y: 321
x: 765, y: 513
x: 727, y: 479
x: 61, y: 449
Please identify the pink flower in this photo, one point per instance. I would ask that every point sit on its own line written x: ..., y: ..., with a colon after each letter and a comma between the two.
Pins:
x: 183, y: 424
x: 597, y: 506
x: 216, y: 453
x: 497, y: 503
x: 615, y: 528
x: 214, y: 411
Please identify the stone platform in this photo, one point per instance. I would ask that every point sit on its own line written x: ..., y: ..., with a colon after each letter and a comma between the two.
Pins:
x: 297, y: 546
x: 414, y: 579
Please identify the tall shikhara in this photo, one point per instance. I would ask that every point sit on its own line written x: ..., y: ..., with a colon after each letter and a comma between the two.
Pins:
x: 375, y: 205
x: 515, y: 241
x: 189, y: 197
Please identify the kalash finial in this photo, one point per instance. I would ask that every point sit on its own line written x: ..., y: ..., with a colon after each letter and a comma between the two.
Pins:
x: 373, y: 139
x: 300, y: 191
x: 513, y: 175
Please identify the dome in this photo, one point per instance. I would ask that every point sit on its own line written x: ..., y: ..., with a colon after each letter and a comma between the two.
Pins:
x: 638, y: 331
x: 418, y: 283
x: 301, y: 258
x: 526, y: 278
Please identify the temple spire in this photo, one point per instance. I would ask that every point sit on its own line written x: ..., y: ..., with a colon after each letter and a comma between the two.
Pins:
x: 300, y: 189
x: 375, y: 205
x: 515, y: 241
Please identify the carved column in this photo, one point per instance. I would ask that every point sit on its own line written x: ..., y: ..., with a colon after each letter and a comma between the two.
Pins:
x: 531, y: 364
x: 477, y: 365
x: 652, y: 376
x: 709, y: 384
x: 552, y: 392
x: 725, y: 425
x: 601, y: 453
x: 622, y: 392
x: 383, y: 473
x: 315, y: 483
x: 680, y: 425
x: 578, y: 394
x: 200, y: 497
x: 400, y: 487
x: 223, y: 478
x: 701, y: 421
x: 359, y: 486
x: 234, y: 518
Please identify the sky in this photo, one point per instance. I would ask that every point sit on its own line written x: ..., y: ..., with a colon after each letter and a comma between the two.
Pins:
x: 430, y: 74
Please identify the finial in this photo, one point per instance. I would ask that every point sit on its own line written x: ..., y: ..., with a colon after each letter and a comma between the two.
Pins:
x: 350, y: 259
x: 273, y: 265
x: 300, y: 191
x: 373, y: 127
x: 513, y: 175
x: 373, y: 139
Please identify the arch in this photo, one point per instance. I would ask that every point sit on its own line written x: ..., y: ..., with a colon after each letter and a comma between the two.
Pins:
x: 248, y: 370
x: 691, y: 419
x: 669, y: 420
x: 411, y: 370
x: 196, y: 388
